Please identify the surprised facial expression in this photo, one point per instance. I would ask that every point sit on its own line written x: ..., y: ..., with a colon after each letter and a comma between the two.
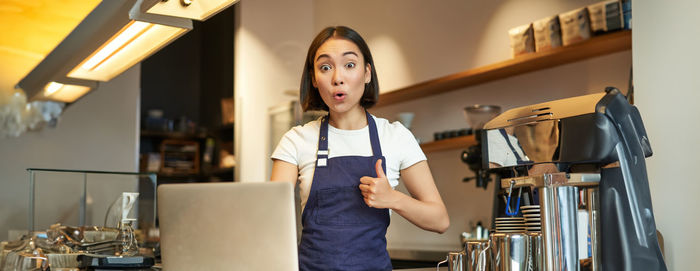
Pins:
x: 340, y: 74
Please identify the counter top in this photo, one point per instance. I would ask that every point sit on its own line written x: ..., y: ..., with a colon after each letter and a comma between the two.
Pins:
x: 418, y: 255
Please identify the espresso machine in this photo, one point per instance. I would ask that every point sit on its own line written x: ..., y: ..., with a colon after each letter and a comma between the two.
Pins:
x: 580, y: 161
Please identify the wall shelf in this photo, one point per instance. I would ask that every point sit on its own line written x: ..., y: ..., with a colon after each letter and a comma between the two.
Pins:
x: 448, y: 144
x: 596, y: 46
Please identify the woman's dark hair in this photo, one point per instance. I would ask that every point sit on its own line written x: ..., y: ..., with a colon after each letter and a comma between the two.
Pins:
x: 309, y: 95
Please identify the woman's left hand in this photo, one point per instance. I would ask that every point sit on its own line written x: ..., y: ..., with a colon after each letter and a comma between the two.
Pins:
x: 376, y: 191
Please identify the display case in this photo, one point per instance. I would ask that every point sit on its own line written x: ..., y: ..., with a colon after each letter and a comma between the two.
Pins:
x: 89, y: 198
x: 85, y: 220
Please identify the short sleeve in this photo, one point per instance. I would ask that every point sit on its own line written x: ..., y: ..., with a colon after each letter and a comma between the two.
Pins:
x: 286, y: 149
x: 500, y: 152
x: 411, y: 153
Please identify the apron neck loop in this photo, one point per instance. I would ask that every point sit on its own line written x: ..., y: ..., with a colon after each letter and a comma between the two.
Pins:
x: 373, y: 137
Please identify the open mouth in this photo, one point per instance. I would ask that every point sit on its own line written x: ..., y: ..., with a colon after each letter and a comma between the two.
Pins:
x: 339, y: 96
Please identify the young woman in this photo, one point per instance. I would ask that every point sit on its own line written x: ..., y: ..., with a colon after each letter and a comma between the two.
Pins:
x: 348, y: 162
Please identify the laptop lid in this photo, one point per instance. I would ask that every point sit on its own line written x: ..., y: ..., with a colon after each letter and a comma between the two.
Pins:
x: 227, y: 226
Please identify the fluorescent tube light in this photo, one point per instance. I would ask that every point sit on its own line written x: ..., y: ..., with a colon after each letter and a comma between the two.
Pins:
x: 63, y: 92
x: 132, y: 31
x: 133, y: 43
x: 51, y: 88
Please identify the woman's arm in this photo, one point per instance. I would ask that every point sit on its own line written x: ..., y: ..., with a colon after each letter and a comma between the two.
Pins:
x: 284, y: 171
x: 424, y: 208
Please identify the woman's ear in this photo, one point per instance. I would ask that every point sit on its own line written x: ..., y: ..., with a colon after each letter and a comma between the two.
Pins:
x: 368, y: 73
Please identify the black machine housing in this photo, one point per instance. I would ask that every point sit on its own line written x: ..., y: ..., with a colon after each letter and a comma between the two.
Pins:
x: 605, y: 134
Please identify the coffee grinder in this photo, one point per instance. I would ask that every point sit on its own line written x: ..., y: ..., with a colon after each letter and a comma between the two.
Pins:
x: 477, y: 115
x: 583, y: 159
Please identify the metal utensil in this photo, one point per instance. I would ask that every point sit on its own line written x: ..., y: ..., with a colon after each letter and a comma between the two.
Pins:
x: 509, y: 251
x: 477, y: 252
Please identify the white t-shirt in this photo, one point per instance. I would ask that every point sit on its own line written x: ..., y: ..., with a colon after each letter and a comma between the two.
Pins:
x: 299, y: 145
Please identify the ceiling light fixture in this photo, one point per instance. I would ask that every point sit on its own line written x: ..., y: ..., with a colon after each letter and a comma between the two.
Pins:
x: 200, y: 10
x: 112, y: 38
x: 64, y: 93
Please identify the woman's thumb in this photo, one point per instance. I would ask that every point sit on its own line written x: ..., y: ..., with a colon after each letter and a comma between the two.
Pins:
x: 380, y: 170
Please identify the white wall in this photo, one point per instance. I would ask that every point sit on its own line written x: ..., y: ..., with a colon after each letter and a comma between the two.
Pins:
x: 667, y: 91
x: 272, y: 37
x: 414, y: 40
x: 99, y: 132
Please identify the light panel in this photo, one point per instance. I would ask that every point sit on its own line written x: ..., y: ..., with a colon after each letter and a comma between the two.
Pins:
x: 198, y: 9
x: 134, y: 42
x: 63, y: 92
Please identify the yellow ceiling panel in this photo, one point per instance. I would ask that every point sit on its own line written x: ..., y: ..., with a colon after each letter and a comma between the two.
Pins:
x: 32, y: 29
x: 13, y: 63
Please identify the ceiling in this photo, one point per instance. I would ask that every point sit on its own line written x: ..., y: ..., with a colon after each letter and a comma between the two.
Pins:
x: 33, y: 29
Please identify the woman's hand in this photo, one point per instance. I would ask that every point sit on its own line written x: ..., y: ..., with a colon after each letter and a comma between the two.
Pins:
x: 423, y: 207
x: 376, y: 191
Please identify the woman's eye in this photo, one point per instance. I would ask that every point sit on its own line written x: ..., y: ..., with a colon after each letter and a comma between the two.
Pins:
x: 325, y: 67
x: 350, y: 65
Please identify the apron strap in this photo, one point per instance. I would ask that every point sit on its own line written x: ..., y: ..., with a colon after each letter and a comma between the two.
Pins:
x: 373, y: 136
x: 322, y: 153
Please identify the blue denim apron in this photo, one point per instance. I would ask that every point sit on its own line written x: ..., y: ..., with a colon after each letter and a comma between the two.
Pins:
x: 340, y: 231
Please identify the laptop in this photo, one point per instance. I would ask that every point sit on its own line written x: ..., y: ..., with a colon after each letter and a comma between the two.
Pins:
x: 227, y: 226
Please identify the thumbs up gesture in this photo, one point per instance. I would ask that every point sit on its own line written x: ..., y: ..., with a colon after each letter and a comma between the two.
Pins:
x: 377, y: 192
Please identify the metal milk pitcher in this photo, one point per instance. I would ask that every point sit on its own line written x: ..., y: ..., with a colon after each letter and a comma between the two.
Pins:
x: 478, y: 255
x: 509, y: 251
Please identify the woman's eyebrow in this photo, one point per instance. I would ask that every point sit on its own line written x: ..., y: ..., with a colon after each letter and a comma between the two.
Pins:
x: 344, y: 54
x: 322, y: 55
x: 350, y: 53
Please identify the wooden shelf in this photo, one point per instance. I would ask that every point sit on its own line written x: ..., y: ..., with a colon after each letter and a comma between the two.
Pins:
x: 596, y: 46
x: 449, y: 144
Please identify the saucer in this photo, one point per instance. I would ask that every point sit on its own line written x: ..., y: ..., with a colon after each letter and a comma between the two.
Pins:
x: 528, y: 211
x: 509, y: 218
x: 509, y: 231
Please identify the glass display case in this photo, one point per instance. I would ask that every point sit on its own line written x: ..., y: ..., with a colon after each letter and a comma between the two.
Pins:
x: 90, y: 198
x: 85, y: 220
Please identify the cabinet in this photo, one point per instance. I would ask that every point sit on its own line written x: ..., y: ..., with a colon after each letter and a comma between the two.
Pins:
x: 190, y: 82
x: 596, y: 46
x: 187, y: 157
x: 179, y: 156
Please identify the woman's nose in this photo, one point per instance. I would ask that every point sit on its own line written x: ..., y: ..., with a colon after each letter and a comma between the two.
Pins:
x: 337, y: 78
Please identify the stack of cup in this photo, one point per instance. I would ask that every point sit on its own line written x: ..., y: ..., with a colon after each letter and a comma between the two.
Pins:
x: 510, y: 224
x: 533, y: 221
